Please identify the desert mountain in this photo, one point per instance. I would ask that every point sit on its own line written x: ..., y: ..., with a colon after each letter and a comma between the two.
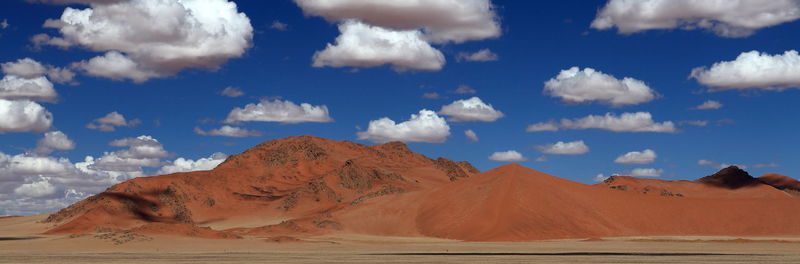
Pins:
x: 294, y: 183
x: 307, y: 186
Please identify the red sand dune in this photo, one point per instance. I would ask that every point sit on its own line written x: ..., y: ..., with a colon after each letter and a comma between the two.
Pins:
x: 305, y: 186
x: 782, y: 182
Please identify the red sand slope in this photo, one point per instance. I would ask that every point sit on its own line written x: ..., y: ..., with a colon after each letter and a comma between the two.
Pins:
x: 781, y: 182
x: 516, y: 203
x: 305, y: 186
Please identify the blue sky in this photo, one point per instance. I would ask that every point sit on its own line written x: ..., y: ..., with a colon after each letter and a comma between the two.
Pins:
x: 535, y: 42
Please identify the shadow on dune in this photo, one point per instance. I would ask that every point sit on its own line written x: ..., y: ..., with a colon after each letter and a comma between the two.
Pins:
x: 18, y: 238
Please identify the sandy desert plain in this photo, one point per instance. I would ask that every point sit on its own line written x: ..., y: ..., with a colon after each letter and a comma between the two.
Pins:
x: 311, y: 200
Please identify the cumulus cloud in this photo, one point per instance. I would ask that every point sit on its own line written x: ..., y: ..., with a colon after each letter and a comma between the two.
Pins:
x: 439, y: 20
x: 724, y: 18
x: 116, y: 66
x: 187, y: 165
x: 471, y: 135
x: 31, y: 184
x: 231, y: 91
x: 28, y: 68
x: 25, y: 68
x: 637, y: 157
x: 53, y: 140
x: 752, y: 71
x: 362, y: 45
x: 426, y: 126
x: 473, y: 109
x: 645, y: 172
x: 481, y: 56
x: 507, y: 156
x: 577, y: 86
x: 37, y: 189
x: 600, y: 178
x: 142, y: 151
x: 710, y: 104
x: 280, y: 111
x: 151, y: 38
x: 464, y: 89
x: 39, y: 89
x: 23, y: 116
x: 627, y: 122
x: 564, y: 148
x: 228, y: 131
x: 111, y: 121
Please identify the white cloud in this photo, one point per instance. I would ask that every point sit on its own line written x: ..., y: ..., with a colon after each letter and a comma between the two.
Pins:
x: 564, y: 148
x: 471, y: 135
x: 752, y: 70
x: 645, y: 172
x: 228, y: 131
x: 231, y: 91
x: 64, y: 2
x: 36, y: 189
x: 627, y: 122
x: 362, y: 45
x: 440, y: 20
x: 23, y: 116
x: 40, y: 89
x: 481, y: 55
x: 152, y: 38
x: 577, y: 86
x: 717, y: 165
x: 423, y: 127
x: 725, y: 18
x: 700, y: 123
x: 142, y: 151
x: 187, y: 165
x: 25, y: 68
x: 600, y: 178
x: 473, y: 109
x: 53, y: 140
x: 111, y: 121
x: 279, y: 26
x: 433, y: 95
x: 280, y: 111
x: 710, y: 104
x: 30, y: 69
x: 766, y: 165
x: 541, y: 127
x: 116, y: 66
x: 541, y: 159
x: 507, y: 156
x: 464, y: 89
x: 637, y: 157
x: 4, y: 24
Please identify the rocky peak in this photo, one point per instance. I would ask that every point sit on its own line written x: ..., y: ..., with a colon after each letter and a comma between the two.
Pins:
x: 731, y: 177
